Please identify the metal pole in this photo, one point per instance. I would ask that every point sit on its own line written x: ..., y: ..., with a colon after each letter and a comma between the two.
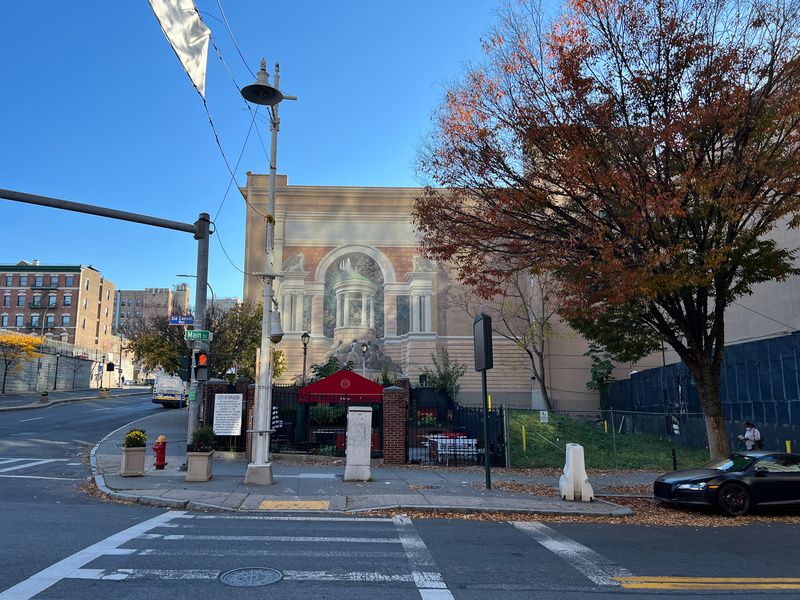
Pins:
x: 305, y: 353
x: 259, y: 471
x: 196, y: 387
x: 486, y: 458
x: 55, y: 379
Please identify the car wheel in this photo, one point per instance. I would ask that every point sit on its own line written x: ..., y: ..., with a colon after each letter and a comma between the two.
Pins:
x: 733, y: 499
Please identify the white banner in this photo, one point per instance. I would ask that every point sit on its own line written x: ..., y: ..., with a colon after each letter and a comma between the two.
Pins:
x: 187, y: 35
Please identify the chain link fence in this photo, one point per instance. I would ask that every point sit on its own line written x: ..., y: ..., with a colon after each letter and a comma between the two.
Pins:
x: 611, y: 439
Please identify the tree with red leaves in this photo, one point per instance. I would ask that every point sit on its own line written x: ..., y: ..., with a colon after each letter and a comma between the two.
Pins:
x: 641, y: 151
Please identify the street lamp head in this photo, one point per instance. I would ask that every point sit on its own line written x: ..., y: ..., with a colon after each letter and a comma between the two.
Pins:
x: 261, y: 92
x: 276, y: 330
x: 364, y: 347
x: 305, y: 338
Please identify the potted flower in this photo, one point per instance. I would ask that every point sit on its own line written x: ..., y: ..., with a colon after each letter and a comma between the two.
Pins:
x: 199, y: 454
x: 133, y: 449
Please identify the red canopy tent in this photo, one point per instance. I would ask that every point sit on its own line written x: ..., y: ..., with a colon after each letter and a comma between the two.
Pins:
x: 343, y: 387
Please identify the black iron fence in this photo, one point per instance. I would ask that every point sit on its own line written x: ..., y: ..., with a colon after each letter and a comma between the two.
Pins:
x: 455, y: 438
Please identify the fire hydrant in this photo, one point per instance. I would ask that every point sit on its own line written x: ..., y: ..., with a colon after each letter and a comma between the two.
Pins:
x: 160, y: 448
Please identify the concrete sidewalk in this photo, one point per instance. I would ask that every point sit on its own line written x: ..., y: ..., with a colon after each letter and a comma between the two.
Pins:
x: 307, y: 486
x: 31, y: 400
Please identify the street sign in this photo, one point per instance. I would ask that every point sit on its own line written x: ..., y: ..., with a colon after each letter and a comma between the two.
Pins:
x: 198, y: 334
x: 189, y: 320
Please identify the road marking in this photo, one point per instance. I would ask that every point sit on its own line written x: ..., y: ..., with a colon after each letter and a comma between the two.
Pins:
x: 591, y: 564
x: 295, y: 518
x: 36, y: 463
x: 41, y: 477
x: 429, y: 582
x: 9, y: 460
x: 294, y: 505
x: 276, y: 538
x: 31, y: 419
x: 24, y: 433
x: 367, y: 576
x: 274, y: 552
x: 194, y: 574
x: 45, y: 578
x: 709, y: 583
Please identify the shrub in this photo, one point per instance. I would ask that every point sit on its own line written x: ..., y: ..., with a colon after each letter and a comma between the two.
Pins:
x: 135, y: 438
x: 203, y: 440
x: 327, y: 414
x: 445, y: 374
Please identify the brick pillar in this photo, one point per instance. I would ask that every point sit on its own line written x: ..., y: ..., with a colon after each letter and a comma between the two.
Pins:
x: 395, y: 400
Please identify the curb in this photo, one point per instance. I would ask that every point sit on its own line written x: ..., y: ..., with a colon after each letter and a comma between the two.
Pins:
x: 36, y: 405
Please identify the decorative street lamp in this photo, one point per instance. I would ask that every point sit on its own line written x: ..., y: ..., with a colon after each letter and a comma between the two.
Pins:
x: 305, y: 338
x: 364, y: 348
x: 260, y: 470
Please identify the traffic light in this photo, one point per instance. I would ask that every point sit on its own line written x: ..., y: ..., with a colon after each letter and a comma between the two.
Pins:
x: 201, y: 360
x: 185, y: 368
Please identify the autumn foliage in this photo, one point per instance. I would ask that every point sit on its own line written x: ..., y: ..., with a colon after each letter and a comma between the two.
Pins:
x: 641, y: 151
x: 15, y: 349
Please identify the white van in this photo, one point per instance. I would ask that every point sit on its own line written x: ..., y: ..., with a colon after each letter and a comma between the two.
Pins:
x: 169, y: 391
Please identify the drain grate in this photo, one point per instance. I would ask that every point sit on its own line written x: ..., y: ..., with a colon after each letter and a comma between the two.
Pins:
x: 250, y: 577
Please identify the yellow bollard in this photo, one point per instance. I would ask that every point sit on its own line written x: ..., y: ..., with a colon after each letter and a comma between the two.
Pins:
x: 524, y: 438
x: 489, y: 396
x: 605, y: 426
x: 788, y: 446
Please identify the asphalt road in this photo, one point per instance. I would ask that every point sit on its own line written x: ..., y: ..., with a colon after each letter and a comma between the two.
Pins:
x: 58, y: 543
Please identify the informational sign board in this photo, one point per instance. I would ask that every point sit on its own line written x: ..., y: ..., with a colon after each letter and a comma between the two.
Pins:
x: 228, y: 414
x: 187, y: 320
x: 198, y: 334
x: 544, y: 416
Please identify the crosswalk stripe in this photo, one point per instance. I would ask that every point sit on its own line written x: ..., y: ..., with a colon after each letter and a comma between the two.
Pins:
x: 430, y: 584
x: 277, y: 538
x: 585, y: 560
x: 33, y: 464
x: 277, y: 551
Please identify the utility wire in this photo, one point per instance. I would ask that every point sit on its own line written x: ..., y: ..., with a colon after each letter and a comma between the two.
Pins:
x: 233, y: 38
x: 232, y: 180
x: 791, y: 327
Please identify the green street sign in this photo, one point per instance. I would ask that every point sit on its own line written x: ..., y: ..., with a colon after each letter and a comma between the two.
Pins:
x: 198, y: 334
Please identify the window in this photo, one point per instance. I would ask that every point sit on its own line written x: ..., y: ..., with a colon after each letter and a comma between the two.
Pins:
x: 23, y: 280
x: 105, y: 329
x: 87, y: 284
x: 83, y: 325
x: 65, y: 320
x: 34, y: 320
x: 37, y: 299
x: 85, y: 303
x: 51, y: 320
x: 9, y: 280
x: 106, y: 311
x: 129, y: 302
x: 780, y: 464
x: 54, y: 280
x: 7, y: 300
x: 128, y: 314
x: 138, y: 302
x: 108, y: 294
x: 38, y: 281
x: 67, y: 299
x: 21, y: 300
x: 138, y: 314
x: 19, y: 320
x: 51, y: 301
x: 4, y: 321
x: 68, y: 280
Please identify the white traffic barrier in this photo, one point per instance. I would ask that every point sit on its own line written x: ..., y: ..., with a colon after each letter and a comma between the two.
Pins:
x: 574, y: 483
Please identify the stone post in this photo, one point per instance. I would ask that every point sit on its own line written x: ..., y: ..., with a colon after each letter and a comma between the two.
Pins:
x: 394, y: 425
x: 359, y: 441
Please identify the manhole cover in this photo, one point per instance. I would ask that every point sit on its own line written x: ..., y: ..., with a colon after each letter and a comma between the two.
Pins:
x: 250, y: 577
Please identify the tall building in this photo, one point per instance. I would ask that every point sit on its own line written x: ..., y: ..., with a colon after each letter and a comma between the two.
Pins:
x: 226, y: 304
x: 72, y: 303
x: 150, y: 302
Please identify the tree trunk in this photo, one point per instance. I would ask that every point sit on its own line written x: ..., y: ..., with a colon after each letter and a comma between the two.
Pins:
x: 707, y: 380
x: 5, y: 376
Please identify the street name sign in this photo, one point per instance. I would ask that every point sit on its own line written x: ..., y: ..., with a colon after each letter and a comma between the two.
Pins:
x: 181, y: 320
x: 198, y: 335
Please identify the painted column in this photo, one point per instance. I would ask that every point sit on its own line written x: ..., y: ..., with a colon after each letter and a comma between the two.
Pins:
x: 372, y: 313
x: 389, y: 315
x: 363, y: 310
x: 339, y: 310
x: 317, y: 309
x: 298, y: 312
x: 414, y: 312
x: 427, y: 324
x: 346, y: 322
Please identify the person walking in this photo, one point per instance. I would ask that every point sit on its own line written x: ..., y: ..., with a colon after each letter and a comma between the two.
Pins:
x: 751, y: 437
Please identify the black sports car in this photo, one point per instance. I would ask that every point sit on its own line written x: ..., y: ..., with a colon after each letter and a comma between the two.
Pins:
x: 735, y: 484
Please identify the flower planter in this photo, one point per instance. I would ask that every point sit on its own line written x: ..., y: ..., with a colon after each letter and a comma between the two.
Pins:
x: 133, y: 462
x: 198, y: 466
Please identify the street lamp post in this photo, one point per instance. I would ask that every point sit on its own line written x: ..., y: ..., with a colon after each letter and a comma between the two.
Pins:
x: 364, y: 348
x: 259, y: 471
x: 305, y: 338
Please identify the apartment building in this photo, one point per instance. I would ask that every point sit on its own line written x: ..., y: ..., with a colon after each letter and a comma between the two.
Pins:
x: 150, y: 302
x: 71, y: 303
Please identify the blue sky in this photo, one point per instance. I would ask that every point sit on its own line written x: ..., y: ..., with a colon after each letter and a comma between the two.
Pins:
x: 95, y: 108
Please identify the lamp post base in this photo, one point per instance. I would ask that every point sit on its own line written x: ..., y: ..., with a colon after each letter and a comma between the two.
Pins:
x: 258, y: 474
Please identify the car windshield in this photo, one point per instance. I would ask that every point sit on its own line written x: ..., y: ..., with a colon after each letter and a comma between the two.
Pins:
x: 735, y: 462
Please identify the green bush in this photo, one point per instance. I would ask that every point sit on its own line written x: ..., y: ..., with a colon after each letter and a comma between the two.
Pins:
x: 203, y: 440
x: 445, y: 373
x: 327, y: 414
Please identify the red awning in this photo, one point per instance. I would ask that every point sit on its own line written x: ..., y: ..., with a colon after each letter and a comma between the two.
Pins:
x: 343, y: 387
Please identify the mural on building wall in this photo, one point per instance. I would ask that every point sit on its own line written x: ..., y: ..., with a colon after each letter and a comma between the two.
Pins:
x: 352, y: 266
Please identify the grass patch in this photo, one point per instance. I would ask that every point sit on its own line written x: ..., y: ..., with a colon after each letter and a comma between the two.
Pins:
x: 546, y: 442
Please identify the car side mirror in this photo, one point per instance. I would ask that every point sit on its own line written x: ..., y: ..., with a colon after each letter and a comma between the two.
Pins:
x: 761, y: 471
